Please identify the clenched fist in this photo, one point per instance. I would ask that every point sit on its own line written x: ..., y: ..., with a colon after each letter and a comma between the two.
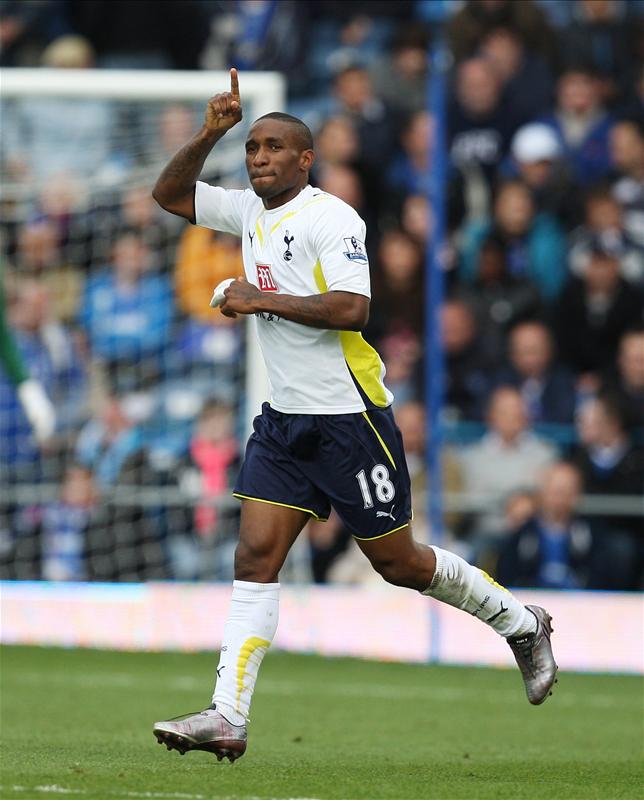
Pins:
x: 224, y: 110
x: 241, y: 297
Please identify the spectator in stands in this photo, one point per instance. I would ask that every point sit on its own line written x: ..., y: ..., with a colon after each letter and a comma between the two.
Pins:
x: 526, y: 79
x: 408, y: 171
x: 626, y: 145
x: 356, y: 98
x: 64, y: 525
x: 468, y: 369
x: 520, y: 506
x: 499, y: 299
x: 51, y: 136
x: 517, y: 456
x: 336, y: 142
x: 467, y: 28
x: 205, y: 476
x: 604, y: 221
x: 411, y: 418
x: 401, y: 75
x: 625, y: 379
x: 112, y: 445
x: 537, y: 159
x: 344, y: 182
x: 534, y: 243
x: 557, y: 549
x: 204, y: 259
x: 176, y: 123
x: 402, y: 353
x: 416, y: 218
x: 339, y: 164
x: 582, y: 124
x: 127, y: 313
x: 396, y: 317
x: 604, y: 34
x: 206, y: 347
x: 611, y: 464
x: 547, y: 388
x: 397, y: 305
x: 39, y: 254
x: 140, y: 213
x: 594, y: 311
x: 479, y: 125
x: 214, y: 455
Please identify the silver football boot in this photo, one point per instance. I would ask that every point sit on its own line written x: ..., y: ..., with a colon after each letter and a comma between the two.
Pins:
x: 533, y: 654
x: 204, y: 730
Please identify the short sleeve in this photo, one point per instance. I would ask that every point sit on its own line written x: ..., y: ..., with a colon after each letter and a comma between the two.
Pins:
x: 219, y: 209
x: 339, y: 240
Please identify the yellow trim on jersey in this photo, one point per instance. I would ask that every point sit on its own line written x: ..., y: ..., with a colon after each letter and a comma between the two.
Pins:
x: 258, y: 231
x: 319, y: 278
x: 246, y: 651
x: 380, y: 536
x: 297, y: 211
x: 275, y: 503
x: 380, y: 439
x: 363, y: 361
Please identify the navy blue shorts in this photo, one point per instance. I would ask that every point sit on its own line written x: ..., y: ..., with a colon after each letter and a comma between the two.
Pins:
x: 353, y: 462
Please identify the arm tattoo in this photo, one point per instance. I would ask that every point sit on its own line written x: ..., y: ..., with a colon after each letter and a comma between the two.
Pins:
x: 181, y: 173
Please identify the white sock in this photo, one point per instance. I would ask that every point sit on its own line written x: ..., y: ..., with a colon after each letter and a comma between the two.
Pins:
x: 461, y: 585
x: 249, y: 631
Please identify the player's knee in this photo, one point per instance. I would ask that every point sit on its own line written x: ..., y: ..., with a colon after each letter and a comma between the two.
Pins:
x: 256, y: 562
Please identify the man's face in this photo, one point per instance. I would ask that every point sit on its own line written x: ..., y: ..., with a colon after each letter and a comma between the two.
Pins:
x: 275, y: 161
x: 530, y: 350
x: 576, y: 93
x: 507, y: 415
x: 631, y: 360
x: 477, y: 87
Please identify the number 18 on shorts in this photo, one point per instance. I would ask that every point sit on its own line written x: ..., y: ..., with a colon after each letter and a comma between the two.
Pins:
x: 354, y: 463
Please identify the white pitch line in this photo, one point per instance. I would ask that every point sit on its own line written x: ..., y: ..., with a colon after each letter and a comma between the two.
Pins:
x: 55, y: 789
x: 375, y: 691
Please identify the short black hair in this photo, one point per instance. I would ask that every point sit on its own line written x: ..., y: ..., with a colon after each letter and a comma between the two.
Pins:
x: 301, y: 129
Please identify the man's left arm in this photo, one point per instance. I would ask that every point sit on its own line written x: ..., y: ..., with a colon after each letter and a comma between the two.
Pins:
x: 334, y: 310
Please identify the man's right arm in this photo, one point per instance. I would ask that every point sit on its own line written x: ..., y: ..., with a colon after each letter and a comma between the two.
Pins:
x: 175, y: 189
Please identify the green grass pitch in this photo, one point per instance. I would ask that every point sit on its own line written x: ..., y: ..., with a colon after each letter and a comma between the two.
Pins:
x: 78, y: 724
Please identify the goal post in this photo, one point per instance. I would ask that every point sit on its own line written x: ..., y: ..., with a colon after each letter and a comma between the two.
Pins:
x: 261, y: 92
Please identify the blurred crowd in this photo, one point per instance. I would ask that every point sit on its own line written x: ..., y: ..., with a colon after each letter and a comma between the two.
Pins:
x: 115, y: 376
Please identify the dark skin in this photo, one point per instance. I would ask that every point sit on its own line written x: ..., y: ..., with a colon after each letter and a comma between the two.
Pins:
x: 278, y: 167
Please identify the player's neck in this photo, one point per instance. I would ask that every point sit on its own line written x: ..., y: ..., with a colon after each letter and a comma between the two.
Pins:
x: 271, y: 203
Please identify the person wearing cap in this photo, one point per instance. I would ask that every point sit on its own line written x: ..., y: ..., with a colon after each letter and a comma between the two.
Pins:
x: 536, y: 156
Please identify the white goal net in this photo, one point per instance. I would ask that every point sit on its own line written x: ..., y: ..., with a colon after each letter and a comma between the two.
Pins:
x: 106, y: 300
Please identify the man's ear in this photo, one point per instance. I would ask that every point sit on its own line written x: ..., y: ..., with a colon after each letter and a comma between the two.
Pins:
x: 306, y: 160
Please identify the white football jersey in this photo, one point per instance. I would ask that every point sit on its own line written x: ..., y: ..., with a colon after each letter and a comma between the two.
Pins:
x: 312, y: 244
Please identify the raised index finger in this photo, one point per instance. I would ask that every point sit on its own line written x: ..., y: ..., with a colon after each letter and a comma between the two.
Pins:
x: 234, y: 83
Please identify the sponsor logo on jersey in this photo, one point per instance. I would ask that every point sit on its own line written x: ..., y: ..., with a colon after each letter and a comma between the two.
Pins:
x: 355, y: 250
x: 265, y: 280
